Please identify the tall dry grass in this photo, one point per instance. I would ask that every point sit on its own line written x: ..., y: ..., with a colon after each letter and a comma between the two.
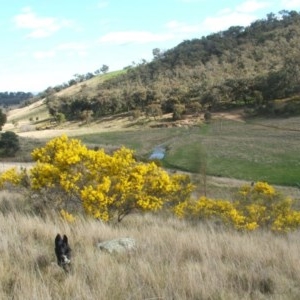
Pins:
x: 173, y: 260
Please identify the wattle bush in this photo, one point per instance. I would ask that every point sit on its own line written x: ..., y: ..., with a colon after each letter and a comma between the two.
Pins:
x: 256, y: 206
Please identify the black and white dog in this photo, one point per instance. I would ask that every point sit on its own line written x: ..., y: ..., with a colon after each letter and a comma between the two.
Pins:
x: 63, y: 251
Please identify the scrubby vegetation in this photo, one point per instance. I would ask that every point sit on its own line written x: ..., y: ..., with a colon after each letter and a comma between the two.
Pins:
x: 253, y: 67
x: 9, y: 143
x: 72, y: 178
x: 255, y: 206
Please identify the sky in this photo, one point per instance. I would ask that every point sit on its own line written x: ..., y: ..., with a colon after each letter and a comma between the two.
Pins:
x: 45, y: 43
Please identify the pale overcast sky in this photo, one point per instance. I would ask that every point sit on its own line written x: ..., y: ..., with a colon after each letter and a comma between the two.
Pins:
x: 45, y: 42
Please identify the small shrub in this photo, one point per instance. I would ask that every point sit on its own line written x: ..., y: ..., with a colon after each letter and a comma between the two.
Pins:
x: 154, y: 110
x: 178, y: 111
x: 257, y: 206
x: 60, y: 118
x: 135, y: 114
x: 207, y: 116
x: 67, y: 216
x: 9, y: 143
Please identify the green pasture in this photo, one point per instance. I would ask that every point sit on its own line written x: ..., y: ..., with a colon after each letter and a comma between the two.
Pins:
x: 266, y: 150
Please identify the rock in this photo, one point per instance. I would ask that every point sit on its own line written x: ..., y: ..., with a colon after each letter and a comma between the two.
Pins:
x: 118, y: 245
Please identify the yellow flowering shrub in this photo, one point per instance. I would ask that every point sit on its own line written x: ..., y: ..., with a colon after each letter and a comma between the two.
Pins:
x: 262, y: 204
x: 257, y: 206
x: 11, y: 176
x: 284, y: 218
x: 205, y: 208
x: 259, y: 193
x: 286, y: 222
x: 67, y: 216
x: 108, y: 186
x: 142, y: 186
x: 264, y: 188
x: 180, y: 210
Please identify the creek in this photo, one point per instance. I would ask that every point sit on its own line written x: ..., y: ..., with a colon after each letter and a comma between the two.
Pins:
x: 158, y: 153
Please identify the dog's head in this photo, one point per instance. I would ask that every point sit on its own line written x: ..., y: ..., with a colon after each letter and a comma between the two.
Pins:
x: 62, y: 250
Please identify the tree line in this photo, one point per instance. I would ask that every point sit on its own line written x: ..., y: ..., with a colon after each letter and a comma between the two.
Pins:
x: 13, y: 98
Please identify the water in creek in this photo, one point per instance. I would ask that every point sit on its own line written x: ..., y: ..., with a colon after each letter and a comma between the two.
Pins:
x: 158, y: 153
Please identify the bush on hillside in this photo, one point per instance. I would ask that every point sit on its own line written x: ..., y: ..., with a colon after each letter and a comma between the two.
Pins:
x: 9, y: 143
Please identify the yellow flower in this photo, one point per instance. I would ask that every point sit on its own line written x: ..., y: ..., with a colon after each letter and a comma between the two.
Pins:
x: 10, y: 176
x: 264, y: 188
x: 67, y: 216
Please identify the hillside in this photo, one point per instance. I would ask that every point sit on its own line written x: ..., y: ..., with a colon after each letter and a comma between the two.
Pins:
x: 254, y: 67
x: 252, y: 70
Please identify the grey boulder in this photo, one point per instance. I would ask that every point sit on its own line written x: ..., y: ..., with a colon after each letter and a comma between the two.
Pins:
x: 119, y: 245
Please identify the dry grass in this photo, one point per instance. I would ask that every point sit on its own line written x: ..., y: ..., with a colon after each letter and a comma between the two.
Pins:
x: 22, y: 115
x: 174, y: 260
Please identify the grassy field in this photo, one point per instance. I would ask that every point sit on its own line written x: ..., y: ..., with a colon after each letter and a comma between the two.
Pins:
x: 254, y: 151
x: 265, y: 150
x: 173, y: 260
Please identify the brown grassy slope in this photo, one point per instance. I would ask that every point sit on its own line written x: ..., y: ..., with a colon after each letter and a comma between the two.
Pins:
x: 21, y: 115
x: 39, y: 109
x: 174, y: 260
x: 88, y: 87
x: 18, y: 120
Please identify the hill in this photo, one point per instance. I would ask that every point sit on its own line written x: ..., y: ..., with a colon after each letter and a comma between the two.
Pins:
x: 254, y: 67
